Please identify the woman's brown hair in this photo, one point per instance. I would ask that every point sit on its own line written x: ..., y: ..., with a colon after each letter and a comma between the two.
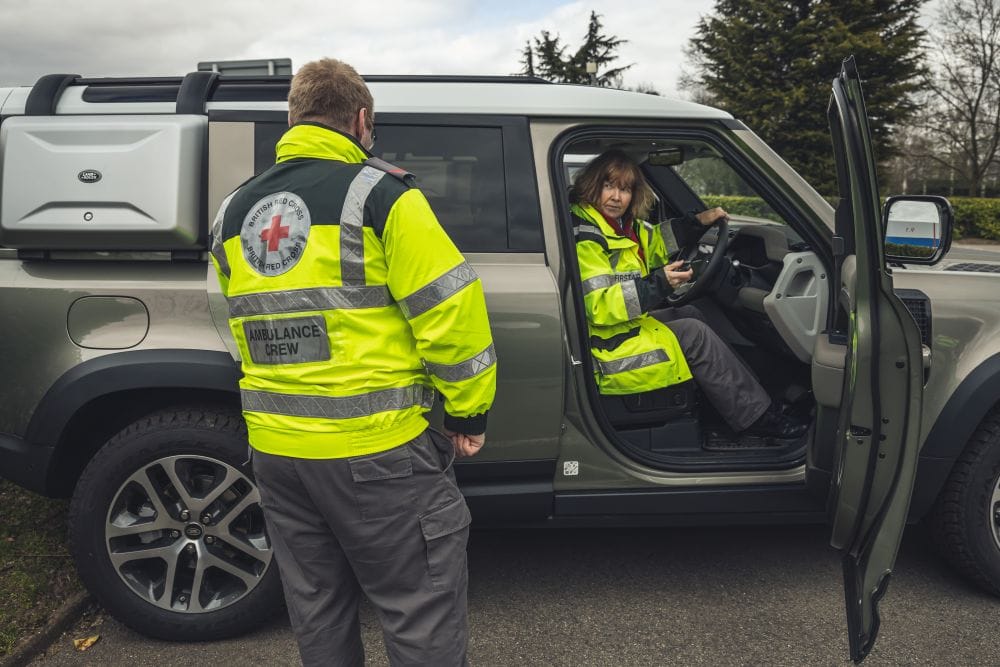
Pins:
x: 616, y: 167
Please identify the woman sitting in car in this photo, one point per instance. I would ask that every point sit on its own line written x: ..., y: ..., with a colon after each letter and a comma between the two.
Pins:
x: 625, y: 273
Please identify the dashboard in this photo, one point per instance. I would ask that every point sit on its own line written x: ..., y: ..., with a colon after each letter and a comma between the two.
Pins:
x: 773, y: 286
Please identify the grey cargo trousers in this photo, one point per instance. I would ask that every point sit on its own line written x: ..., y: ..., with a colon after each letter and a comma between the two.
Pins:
x: 724, y: 378
x: 392, y: 526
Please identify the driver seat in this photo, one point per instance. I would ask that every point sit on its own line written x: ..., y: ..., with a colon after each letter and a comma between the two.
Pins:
x: 651, y: 408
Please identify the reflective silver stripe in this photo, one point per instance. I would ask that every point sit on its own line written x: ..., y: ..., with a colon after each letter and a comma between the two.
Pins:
x: 338, y: 407
x: 633, y: 363
x: 598, y: 282
x: 587, y: 229
x: 314, y: 298
x: 463, y: 370
x: 352, y: 216
x: 218, y: 251
x: 438, y: 290
x: 648, y: 225
x: 631, y: 294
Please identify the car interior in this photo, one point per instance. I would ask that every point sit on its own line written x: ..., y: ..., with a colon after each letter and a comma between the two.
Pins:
x: 758, y: 285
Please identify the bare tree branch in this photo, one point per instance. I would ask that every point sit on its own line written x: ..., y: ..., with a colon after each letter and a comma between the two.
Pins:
x: 966, y: 89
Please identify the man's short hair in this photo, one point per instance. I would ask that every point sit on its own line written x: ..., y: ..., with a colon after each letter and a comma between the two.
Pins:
x: 328, y: 91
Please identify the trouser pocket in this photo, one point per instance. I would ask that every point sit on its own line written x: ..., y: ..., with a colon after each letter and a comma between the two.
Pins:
x: 383, y: 483
x: 446, y: 534
x: 444, y: 447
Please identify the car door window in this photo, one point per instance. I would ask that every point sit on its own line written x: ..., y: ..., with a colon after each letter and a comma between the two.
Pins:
x: 460, y: 170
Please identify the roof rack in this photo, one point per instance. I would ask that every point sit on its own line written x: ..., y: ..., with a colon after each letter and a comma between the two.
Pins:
x: 456, y: 78
x: 273, y: 78
x: 228, y: 88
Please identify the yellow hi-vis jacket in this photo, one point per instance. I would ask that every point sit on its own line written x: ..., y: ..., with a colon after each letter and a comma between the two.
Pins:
x: 350, y: 305
x: 633, y: 352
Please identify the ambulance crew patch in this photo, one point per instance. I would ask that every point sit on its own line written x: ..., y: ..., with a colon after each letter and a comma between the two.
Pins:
x: 288, y: 340
x: 275, y: 232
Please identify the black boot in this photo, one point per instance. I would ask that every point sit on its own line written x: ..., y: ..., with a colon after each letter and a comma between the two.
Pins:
x: 773, y: 424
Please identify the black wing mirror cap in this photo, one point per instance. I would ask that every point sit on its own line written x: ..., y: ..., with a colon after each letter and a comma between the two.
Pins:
x: 917, y: 229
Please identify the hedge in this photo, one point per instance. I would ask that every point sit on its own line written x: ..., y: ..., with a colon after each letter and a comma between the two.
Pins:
x: 974, y: 216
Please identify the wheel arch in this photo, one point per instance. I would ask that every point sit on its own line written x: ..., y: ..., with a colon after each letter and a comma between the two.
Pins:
x: 97, y: 398
x: 968, y: 405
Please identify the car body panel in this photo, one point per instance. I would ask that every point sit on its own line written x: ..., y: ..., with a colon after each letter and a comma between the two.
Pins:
x: 38, y: 348
x: 965, y: 329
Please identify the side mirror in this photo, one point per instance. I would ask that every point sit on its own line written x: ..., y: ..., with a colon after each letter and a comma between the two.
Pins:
x: 917, y: 229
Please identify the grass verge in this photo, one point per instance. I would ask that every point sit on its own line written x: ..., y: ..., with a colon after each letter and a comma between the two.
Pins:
x: 36, y: 570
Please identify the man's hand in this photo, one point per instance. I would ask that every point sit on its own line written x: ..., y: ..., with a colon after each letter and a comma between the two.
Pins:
x: 711, y: 216
x: 466, y: 445
x: 674, y: 277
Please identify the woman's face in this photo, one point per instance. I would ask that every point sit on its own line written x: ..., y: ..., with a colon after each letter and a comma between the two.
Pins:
x: 615, y: 199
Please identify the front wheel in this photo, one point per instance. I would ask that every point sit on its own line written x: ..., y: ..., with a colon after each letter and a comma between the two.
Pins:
x: 167, y: 531
x: 965, y: 521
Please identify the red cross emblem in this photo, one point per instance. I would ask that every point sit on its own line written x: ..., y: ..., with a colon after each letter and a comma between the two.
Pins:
x: 274, y: 233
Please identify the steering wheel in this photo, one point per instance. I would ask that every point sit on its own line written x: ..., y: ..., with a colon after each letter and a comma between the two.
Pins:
x: 695, y: 287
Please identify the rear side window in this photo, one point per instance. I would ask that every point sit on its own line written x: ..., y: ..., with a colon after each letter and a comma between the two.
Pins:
x: 460, y: 170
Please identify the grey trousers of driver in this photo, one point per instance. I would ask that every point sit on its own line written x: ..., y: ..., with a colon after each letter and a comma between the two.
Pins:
x: 725, y: 379
x: 392, y: 526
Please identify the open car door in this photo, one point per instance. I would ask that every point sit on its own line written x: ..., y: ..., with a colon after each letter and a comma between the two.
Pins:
x: 878, y: 428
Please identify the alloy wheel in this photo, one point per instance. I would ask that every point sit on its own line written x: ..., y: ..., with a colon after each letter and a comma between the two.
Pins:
x: 186, y: 533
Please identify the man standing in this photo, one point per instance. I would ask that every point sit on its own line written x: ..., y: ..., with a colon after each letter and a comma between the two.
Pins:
x: 351, y: 309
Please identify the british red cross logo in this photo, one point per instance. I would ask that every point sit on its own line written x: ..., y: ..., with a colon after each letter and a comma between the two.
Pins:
x: 274, y: 233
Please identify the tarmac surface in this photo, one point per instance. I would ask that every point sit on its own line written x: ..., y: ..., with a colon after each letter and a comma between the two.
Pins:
x: 768, y: 595
x: 972, y: 252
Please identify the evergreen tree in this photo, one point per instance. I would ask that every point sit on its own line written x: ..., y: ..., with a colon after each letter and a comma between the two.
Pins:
x: 549, y: 59
x: 770, y: 64
x: 528, y: 60
x: 551, y: 64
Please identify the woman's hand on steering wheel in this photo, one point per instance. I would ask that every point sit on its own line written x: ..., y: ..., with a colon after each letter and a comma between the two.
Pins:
x: 713, y: 263
x: 675, y: 277
x: 711, y: 216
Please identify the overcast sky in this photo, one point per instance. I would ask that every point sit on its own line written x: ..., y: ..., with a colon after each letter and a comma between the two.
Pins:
x: 157, y: 37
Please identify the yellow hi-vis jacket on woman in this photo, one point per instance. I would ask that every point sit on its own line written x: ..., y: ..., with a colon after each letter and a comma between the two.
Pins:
x: 350, y: 305
x: 633, y: 352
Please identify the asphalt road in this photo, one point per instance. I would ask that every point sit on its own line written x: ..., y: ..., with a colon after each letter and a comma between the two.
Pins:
x: 968, y: 252
x: 688, y: 596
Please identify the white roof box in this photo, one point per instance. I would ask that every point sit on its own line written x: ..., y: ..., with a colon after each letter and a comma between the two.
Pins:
x: 102, y: 182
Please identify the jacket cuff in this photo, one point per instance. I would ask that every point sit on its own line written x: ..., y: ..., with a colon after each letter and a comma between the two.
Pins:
x: 687, y: 230
x: 653, y: 289
x: 474, y: 425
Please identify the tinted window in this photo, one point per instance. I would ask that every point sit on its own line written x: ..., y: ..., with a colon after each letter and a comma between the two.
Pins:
x: 460, y: 171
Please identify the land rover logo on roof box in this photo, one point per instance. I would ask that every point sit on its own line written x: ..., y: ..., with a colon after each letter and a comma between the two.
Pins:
x: 89, y: 176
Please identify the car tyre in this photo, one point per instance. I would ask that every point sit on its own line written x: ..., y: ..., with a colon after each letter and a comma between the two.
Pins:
x: 965, y: 521
x: 166, y: 529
